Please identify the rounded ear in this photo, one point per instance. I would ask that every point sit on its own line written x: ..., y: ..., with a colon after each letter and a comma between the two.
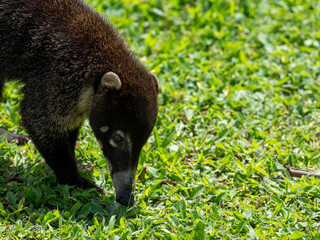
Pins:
x: 155, y: 79
x: 110, y: 80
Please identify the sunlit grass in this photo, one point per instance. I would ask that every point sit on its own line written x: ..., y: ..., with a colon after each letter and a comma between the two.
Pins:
x: 239, y: 98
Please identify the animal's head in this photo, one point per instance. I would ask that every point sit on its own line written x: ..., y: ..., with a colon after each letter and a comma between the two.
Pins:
x: 122, y: 118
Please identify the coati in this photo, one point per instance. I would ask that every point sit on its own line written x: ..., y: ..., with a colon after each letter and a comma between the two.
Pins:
x: 74, y: 65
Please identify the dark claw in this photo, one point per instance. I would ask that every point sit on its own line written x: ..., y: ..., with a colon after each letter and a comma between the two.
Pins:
x: 101, y: 190
x: 20, y: 139
x: 83, y: 183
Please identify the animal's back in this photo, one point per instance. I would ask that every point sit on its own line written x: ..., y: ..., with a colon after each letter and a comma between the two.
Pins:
x: 13, y: 37
x: 61, y: 49
x: 53, y: 36
x: 57, y: 48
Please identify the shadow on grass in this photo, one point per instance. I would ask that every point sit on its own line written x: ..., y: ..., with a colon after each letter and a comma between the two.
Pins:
x: 33, y: 195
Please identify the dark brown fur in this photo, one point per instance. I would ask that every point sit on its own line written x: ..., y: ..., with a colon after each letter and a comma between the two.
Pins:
x: 60, y: 49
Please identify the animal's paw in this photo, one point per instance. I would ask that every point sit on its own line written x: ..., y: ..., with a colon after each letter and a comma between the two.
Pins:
x: 101, y: 190
x: 87, y: 185
x: 83, y: 183
x: 20, y: 139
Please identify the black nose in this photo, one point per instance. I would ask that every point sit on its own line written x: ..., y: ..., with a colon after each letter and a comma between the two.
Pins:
x: 126, y: 200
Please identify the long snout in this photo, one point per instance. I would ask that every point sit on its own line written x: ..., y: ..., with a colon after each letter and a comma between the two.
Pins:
x: 125, y: 198
x: 123, y: 183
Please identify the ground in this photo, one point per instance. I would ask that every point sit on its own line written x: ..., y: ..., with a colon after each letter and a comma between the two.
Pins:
x: 239, y: 102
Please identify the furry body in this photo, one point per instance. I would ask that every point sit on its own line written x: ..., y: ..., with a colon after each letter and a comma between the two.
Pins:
x: 60, y: 50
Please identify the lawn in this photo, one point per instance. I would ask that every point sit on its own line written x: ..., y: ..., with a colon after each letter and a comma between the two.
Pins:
x: 239, y: 104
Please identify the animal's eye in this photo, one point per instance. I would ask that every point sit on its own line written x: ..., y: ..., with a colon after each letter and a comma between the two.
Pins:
x: 118, y: 139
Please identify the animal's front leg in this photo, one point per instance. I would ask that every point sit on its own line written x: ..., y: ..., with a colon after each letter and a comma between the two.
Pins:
x: 58, y: 151
x: 54, y: 133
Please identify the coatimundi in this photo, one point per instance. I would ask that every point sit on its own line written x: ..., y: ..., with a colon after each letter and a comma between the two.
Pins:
x: 73, y: 66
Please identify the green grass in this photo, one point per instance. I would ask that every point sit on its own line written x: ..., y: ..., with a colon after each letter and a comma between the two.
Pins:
x: 239, y: 98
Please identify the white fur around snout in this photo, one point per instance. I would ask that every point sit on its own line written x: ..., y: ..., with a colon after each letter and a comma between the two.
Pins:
x: 111, y: 80
x: 128, y: 139
x: 112, y: 143
x: 109, y: 166
x: 122, y: 179
x: 121, y: 133
x: 104, y: 129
